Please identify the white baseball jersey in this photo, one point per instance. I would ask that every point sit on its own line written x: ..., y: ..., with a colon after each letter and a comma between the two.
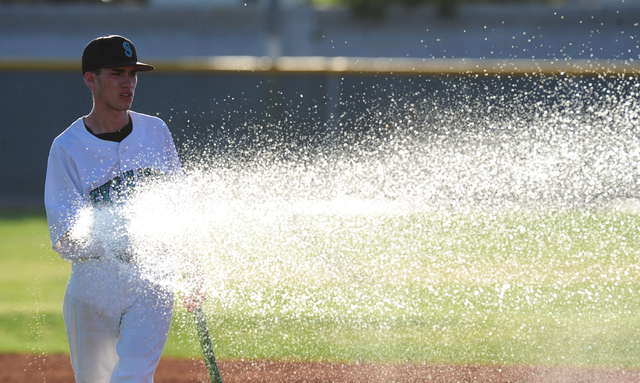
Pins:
x: 84, y: 170
x: 116, y: 322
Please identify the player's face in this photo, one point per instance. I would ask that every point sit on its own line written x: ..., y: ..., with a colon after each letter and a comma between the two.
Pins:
x: 115, y: 87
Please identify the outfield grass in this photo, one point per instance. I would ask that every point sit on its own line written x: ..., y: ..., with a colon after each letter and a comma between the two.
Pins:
x: 551, y: 288
x: 32, y: 283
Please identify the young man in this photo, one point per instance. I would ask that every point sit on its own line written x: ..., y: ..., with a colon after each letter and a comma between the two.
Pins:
x: 116, y: 320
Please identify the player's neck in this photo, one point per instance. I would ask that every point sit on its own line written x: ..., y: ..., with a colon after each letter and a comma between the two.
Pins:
x: 106, y: 122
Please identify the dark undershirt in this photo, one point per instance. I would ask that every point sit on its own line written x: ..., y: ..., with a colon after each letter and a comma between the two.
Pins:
x: 115, y: 136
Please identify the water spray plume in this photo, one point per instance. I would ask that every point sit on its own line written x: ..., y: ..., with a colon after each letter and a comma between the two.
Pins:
x: 464, y: 212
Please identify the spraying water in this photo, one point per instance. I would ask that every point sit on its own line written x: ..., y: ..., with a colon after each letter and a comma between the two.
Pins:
x: 480, y: 222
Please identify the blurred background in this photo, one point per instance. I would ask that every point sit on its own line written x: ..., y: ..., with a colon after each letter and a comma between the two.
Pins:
x: 218, y: 74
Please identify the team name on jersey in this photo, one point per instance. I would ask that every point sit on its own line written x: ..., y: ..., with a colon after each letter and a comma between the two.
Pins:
x: 114, y: 189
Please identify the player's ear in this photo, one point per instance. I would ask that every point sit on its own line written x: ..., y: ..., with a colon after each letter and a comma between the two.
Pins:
x: 90, y: 79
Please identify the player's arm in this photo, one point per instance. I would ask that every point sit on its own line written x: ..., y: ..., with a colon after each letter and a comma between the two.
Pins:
x: 69, y: 215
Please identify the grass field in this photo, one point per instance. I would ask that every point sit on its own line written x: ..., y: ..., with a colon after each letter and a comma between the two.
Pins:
x: 551, y: 288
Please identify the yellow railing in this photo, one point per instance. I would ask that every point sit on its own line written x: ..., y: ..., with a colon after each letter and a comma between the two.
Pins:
x: 357, y: 65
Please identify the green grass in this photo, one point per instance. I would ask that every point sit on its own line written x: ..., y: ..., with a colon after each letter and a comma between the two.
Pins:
x: 32, y: 283
x: 535, y: 288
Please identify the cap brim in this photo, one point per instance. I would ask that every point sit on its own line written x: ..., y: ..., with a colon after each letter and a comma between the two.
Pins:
x: 141, y: 67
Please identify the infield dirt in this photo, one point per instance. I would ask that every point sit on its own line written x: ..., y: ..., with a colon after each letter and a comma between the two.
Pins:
x: 57, y: 369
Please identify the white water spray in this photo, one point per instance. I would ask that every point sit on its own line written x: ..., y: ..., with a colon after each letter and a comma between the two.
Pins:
x: 373, y: 230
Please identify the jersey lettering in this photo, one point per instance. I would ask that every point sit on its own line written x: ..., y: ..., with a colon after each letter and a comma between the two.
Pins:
x: 129, y: 179
x: 115, y: 189
x: 93, y: 196
x: 104, y: 191
x: 117, y: 186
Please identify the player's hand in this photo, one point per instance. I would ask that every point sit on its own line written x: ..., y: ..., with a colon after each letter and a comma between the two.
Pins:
x: 193, y: 300
x: 195, y: 291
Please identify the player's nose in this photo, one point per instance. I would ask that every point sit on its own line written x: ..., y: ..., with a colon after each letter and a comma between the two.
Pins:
x: 129, y: 82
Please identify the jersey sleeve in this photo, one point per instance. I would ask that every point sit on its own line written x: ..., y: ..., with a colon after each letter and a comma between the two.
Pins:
x: 171, y: 154
x: 62, y: 194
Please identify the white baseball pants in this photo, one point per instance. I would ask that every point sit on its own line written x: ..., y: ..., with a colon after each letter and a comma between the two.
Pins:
x: 117, y: 323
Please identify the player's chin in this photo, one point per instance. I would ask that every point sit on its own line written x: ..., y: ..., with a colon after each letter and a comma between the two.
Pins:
x: 126, y: 104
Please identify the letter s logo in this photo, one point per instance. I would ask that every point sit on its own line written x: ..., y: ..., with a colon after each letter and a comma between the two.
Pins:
x: 127, y: 49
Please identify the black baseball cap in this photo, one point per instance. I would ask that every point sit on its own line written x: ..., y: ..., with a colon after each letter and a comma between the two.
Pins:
x: 110, y: 52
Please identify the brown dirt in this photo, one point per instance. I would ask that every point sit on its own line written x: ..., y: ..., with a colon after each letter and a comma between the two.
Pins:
x: 57, y: 369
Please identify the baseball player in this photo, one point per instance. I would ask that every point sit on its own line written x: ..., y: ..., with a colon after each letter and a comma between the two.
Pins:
x: 116, y: 322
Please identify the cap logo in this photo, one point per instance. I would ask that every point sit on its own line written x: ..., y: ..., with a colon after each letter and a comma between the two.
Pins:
x: 127, y: 49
